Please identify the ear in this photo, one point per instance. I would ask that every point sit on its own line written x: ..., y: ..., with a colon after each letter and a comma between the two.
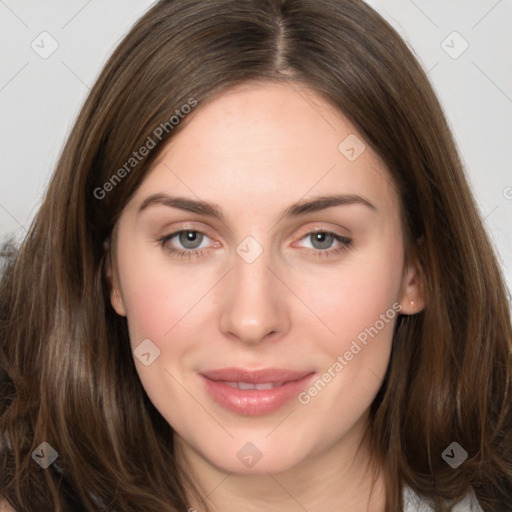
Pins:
x: 411, y: 293
x: 116, y: 298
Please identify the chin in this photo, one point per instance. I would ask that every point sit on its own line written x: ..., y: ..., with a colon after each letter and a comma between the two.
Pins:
x: 255, y: 455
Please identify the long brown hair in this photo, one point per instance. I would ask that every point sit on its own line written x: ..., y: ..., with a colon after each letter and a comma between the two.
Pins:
x: 67, y: 375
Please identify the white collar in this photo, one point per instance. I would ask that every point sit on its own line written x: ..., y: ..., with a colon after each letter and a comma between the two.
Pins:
x: 413, y: 503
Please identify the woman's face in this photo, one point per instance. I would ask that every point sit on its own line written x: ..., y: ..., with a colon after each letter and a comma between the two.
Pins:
x: 260, y: 340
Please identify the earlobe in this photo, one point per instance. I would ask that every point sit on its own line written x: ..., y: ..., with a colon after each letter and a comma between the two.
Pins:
x: 412, y: 297
x: 117, y: 301
x: 115, y: 295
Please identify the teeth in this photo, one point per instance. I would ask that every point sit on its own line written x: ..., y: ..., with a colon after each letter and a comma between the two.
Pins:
x: 246, y: 385
x: 269, y: 385
x: 249, y: 385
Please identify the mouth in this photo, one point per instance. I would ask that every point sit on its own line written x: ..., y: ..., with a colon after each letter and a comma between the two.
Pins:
x: 253, y: 393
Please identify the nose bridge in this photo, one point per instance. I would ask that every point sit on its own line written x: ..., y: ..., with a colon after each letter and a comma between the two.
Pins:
x: 254, y: 304
x: 251, y: 276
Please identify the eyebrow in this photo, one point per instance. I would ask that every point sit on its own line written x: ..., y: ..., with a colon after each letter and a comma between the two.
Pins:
x: 295, y: 210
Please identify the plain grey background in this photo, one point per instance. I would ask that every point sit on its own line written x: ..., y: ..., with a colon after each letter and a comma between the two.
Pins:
x: 52, y: 51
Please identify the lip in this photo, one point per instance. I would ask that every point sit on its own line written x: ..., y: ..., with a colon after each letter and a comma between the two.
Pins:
x: 254, y: 402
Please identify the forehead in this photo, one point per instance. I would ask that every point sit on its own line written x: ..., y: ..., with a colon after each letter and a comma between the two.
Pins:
x: 259, y: 141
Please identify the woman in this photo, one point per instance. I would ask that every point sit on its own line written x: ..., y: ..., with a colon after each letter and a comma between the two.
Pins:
x: 258, y: 281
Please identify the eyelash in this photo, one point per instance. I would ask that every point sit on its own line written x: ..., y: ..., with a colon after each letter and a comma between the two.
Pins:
x: 346, y: 244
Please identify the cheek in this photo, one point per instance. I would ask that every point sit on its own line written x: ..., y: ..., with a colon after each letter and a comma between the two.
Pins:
x: 147, y: 308
x: 157, y: 295
x: 355, y: 296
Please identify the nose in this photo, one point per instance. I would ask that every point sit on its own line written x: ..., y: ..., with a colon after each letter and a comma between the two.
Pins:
x: 254, y: 304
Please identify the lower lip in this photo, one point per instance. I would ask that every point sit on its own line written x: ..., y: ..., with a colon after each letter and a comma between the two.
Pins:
x: 254, y: 402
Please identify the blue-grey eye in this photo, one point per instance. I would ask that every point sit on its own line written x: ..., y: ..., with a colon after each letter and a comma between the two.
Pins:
x: 321, y: 240
x: 190, y: 239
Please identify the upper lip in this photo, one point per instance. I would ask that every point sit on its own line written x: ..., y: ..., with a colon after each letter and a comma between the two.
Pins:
x: 254, y: 376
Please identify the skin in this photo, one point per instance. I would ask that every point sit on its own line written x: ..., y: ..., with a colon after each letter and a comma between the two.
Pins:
x: 254, y: 151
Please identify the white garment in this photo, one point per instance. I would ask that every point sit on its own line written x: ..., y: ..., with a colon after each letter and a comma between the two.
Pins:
x: 413, y: 503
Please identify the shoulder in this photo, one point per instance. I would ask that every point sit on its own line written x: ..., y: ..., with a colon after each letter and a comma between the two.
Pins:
x: 413, y: 503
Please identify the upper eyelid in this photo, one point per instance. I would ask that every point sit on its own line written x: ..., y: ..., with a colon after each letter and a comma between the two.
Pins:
x: 323, y: 228
x: 179, y: 230
x: 172, y: 234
